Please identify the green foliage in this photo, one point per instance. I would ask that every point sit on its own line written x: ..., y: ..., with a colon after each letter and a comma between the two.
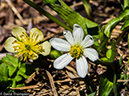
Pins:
x: 12, y: 71
x: 106, y: 87
x: 71, y: 17
x: 111, y: 24
x: 55, y: 54
x: 92, y: 94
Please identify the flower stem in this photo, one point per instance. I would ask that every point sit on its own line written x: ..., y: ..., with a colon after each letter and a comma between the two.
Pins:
x: 47, y: 14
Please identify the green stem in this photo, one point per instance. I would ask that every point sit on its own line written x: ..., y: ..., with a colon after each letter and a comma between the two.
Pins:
x: 126, y: 3
x: 47, y: 14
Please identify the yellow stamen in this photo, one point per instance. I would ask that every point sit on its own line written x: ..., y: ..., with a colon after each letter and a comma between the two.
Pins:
x: 76, y: 51
x: 27, y: 47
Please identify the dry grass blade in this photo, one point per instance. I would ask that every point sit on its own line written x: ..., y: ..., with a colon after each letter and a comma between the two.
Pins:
x: 15, y: 11
x: 25, y: 87
x: 52, y: 83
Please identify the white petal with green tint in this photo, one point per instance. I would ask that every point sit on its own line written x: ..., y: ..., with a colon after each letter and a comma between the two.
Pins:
x: 68, y: 35
x: 18, y: 32
x: 8, y: 44
x: 60, y: 44
x: 36, y: 34
x: 82, y: 66
x: 91, y: 53
x: 46, y: 47
x: 62, y: 61
x: 88, y: 41
x: 78, y: 34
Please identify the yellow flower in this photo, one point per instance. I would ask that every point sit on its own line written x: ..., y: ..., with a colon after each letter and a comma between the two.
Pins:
x: 27, y: 46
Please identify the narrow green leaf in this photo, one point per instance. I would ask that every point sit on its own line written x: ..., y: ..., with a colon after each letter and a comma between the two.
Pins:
x: 82, y: 93
x: 71, y: 17
x: 65, y: 5
x: 106, y: 87
x: 51, y: 1
x: 114, y: 86
x: 120, y: 60
x: 101, y: 34
x: 47, y: 14
x: 109, y: 27
x: 125, y: 26
x: 125, y: 73
x: 87, y: 7
x: 124, y: 13
x: 92, y: 94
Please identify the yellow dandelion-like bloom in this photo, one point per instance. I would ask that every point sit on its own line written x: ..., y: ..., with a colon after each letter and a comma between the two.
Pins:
x: 27, y: 46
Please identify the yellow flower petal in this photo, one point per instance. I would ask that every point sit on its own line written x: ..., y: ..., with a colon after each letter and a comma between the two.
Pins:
x: 10, y: 43
x: 36, y: 34
x: 47, y: 47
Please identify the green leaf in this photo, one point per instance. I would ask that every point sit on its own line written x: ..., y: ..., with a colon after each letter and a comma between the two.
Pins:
x: 114, y: 85
x: 20, y: 85
x: 125, y: 73
x: 51, y: 1
x: 106, y: 87
x: 71, y: 17
x: 92, y: 94
x: 17, y: 78
x: 109, y: 27
x: 124, y: 13
x: 54, y: 54
x: 14, y: 84
x: 23, y: 68
x: 82, y: 93
x: 126, y: 25
x: 10, y: 60
x: 109, y: 53
x: 22, y: 71
x: 111, y: 24
x: 3, y: 72
x: 101, y: 34
x: 39, y: 9
x: 120, y: 60
x: 11, y: 68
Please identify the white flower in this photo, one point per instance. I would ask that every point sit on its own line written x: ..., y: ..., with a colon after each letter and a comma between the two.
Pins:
x: 76, y: 47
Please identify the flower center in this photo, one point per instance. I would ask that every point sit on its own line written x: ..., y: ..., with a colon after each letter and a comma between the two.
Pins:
x: 76, y: 51
x: 28, y: 47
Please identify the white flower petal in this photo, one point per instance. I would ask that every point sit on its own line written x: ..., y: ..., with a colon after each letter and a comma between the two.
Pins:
x: 62, y: 61
x: 88, y: 41
x: 82, y: 66
x: 36, y: 34
x: 9, y: 44
x: 47, y: 48
x: 68, y: 35
x: 91, y: 53
x: 78, y: 33
x: 60, y: 44
x: 18, y: 32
